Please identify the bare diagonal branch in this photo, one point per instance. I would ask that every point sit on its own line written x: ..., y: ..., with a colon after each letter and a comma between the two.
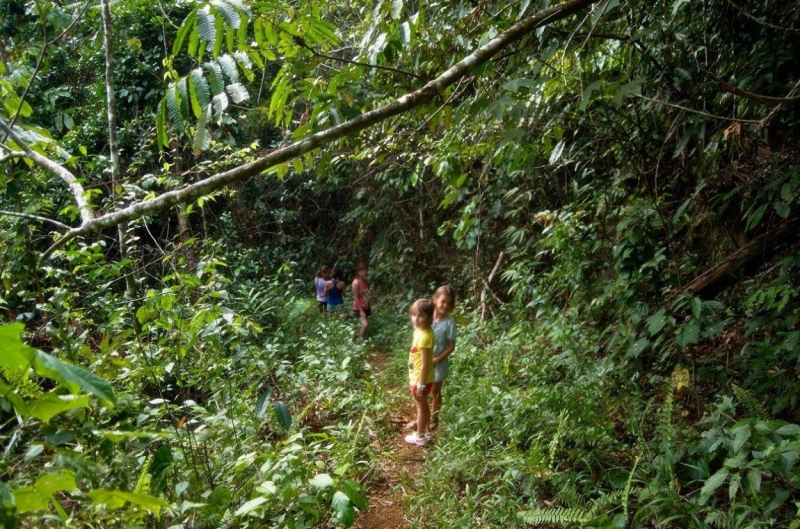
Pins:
x: 74, y: 186
x: 34, y: 217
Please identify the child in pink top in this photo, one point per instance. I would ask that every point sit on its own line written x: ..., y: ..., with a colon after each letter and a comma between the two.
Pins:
x: 360, y: 291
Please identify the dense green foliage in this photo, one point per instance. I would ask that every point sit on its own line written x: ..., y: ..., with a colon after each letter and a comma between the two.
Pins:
x: 631, y: 173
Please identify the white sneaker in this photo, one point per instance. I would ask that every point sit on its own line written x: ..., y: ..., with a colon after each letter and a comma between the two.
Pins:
x: 414, y: 439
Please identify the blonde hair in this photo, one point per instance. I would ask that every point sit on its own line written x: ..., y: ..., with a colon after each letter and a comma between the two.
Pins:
x: 423, y: 307
x: 445, y: 290
x: 323, y: 270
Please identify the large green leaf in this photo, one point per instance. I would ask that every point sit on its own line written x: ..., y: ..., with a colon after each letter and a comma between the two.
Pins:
x: 228, y: 65
x: 202, y: 137
x: 15, y: 356
x: 19, y: 404
x: 712, y: 484
x: 215, y: 78
x: 8, y: 507
x: 174, y: 107
x: 228, y: 13
x: 237, y: 92
x: 184, y: 30
x: 206, y: 27
x: 282, y: 414
x: 50, y: 405
x: 262, y: 404
x: 73, y: 377
x: 114, y: 499
x: 321, y: 481
x: 355, y: 492
x: 344, y: 509
x: 183, y: 102
x: 250, y: 505
x: 159, y: 468
x: 198, y: 91
x: 37, y: 496
x: 161, y: 128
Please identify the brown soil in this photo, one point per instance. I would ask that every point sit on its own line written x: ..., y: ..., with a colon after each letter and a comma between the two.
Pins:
x: 394, y: 472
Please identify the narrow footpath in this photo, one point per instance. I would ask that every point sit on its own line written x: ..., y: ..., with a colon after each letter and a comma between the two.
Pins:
x: 396, y: 468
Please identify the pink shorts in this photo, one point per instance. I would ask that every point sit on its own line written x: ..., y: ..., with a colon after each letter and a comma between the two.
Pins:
x: 425, y: 392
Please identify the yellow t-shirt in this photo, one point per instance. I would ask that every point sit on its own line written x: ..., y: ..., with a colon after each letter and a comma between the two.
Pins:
x: 422, y: 339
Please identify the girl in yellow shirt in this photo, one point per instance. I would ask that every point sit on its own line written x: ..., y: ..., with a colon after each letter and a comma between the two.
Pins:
x: 420, y: 369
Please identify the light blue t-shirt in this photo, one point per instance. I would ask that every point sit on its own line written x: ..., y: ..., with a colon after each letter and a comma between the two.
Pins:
x: 444, y: 332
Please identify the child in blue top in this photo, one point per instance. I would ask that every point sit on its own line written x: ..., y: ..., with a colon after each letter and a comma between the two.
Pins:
x: 444, y: 332
x: 334, y: 289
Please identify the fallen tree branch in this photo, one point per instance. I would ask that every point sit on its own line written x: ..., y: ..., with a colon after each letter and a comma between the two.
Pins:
x: 758, y: 97
x: 77, y: 189
x: 712, y: 279
x: 34, y: 217
x: 408, y: 101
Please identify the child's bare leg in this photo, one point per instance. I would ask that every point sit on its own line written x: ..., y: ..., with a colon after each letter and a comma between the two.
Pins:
x: 364, y: 324
x: 436, y: 401
x: 423, y: 415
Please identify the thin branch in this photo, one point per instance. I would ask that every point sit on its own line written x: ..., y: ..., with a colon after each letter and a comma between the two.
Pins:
x: 74, y: 186
x: 10, y: 153
x: 700, y: 112
x: 774, y: 112
x: 411, y: 100
x: 758, y: 97
x: 759, y: 21
x: 33, y: 217
x: 357, y: 63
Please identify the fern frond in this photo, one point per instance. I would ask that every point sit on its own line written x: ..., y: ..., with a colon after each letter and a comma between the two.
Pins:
x: 556, y: 515
x: 718, y: 519
x: 143, y: 483
x: 605, y: 500
x: 627, y: 491
x: 665, y: 429
x: 553, y: 447
x: 796, y: 521
x: 749, y: 400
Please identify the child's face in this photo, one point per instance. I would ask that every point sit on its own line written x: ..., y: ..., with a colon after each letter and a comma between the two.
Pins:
x: 419, y: 321
x: 443, y: 304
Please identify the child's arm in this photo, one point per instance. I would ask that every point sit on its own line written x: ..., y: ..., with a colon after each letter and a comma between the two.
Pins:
x: 354, y: 290
x: 444, y: 354
x: 426, y: 353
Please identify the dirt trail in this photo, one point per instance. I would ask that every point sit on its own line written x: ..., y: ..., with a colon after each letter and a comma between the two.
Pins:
x: 396, y: 469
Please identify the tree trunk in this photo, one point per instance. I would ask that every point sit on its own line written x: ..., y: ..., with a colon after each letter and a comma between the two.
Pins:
x: 122, y: 227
